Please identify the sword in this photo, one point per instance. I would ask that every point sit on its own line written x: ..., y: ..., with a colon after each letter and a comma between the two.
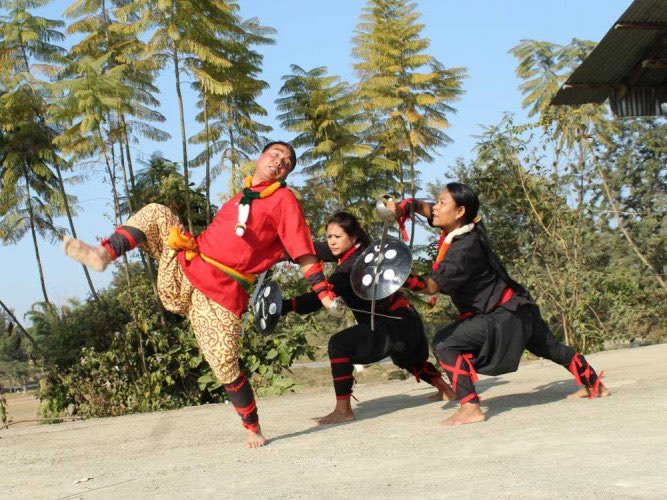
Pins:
x: 387, y: 216
x: 338, y: 308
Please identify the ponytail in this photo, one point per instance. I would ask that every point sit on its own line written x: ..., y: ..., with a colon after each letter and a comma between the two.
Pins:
x: 493, y: 259
x: 464, y: 196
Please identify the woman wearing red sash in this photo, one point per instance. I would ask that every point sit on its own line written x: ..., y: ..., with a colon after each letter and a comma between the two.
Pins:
x: 402, y: 339
x: 497, y: 317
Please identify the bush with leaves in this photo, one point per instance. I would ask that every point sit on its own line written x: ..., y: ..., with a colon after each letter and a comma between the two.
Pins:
x: 134, y: 361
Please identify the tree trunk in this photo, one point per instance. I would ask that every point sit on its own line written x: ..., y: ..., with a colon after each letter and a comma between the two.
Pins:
x: 186, y: 177
x: 61, y: 184
x: 208, y: 163
x: 23, y: 330
x: 232, y: 159
x: 130, y: 205
x: 34, y: 242
x: 148, y: 265
x: 112, y: 176
x: 413, y: 191
x: 70, y: 220
x: 130, y: 169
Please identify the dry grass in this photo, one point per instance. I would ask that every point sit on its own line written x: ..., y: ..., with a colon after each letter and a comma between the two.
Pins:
x: 22, y: 407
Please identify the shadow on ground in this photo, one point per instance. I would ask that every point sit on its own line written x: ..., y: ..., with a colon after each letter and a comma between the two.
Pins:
x: 541, y: 395
x: 374, y: 408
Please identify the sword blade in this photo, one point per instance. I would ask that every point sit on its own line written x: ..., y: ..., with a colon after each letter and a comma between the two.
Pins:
x: 373, y: 313
x: 383, y: 241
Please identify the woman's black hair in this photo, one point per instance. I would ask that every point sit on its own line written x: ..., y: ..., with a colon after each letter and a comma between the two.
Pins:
x: 350, y: 224
x: 464, y: 196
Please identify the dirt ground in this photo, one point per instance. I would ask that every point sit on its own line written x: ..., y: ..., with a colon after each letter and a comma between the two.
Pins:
x: 535, y: 444
x: 22, y: 407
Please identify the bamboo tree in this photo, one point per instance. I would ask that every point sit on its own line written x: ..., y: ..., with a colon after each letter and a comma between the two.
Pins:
x: 30, y: 197
x: 329, y: 123
x: 406, y: 92
x: 576, y: 130
x: 230, y: 126
x: 186, y: 34
x: 24, y: 37
x: 90, y: 96
x: 104, y: 35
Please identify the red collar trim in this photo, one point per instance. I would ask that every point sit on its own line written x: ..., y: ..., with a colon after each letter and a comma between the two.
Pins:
x: 347, y: 254
x: 261, y: 184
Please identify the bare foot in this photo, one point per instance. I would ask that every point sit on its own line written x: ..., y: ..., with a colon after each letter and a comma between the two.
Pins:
x: 336, y: 417
x: 445, y: 392
x: 96, y: 258
x: 469, y: 413
x: 442, y: 396
x: 255, y: 439
x: 585, y: 392
x: 603, y: 392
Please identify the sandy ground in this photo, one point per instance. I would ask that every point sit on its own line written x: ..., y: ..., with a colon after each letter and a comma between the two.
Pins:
x: 22, y: 407
x: 535, y: 444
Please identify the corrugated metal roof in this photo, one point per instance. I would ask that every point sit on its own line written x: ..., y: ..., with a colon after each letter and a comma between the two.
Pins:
x: 632, y: 55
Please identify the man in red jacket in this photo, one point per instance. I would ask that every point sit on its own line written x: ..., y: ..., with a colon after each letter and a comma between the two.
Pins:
x: 207, y: 278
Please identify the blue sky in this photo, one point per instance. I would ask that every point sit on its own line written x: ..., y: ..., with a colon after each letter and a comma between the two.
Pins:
x: 475, y: 34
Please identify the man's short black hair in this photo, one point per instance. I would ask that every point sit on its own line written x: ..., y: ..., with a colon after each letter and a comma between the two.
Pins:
x: 288, y: 146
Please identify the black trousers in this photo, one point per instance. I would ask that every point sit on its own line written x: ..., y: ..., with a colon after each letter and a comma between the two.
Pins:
x: 493, y: 344
x: 403, y: 340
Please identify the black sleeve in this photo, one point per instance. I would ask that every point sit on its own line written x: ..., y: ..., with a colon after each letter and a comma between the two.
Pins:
x: 302, y: 304
x: 323, y: 252
x: 449, y: 276
x: 341, y: 283
x: 460, y: 266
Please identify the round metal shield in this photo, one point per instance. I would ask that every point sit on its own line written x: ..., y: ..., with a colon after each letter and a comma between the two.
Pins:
x: 267, y: 307
x: 388, y: 269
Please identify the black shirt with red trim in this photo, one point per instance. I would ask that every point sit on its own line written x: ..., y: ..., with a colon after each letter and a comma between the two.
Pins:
x: 340, y: 280
x: 466, y: 275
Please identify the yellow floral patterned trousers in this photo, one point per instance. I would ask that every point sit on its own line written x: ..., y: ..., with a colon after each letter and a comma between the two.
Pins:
x: 218, y: 331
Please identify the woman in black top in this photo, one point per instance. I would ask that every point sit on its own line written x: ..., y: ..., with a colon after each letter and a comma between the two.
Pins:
x: 497, y: 319
x: 403, y: 339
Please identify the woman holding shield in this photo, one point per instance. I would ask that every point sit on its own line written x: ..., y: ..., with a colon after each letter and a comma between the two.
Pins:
x: 401, y: 336
x: 498, y: 319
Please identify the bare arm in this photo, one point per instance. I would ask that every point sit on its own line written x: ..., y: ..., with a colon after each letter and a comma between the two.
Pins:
x: 431, y: 288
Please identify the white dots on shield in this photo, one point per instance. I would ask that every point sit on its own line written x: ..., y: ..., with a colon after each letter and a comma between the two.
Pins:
x: 390, y: 254
x: 267, y: 291
x: 389, y: 274
x: 369, y: 258
x: 257, y: 305
x: 262, y: 323
x: 367, y: 280
x: 273, y: 308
